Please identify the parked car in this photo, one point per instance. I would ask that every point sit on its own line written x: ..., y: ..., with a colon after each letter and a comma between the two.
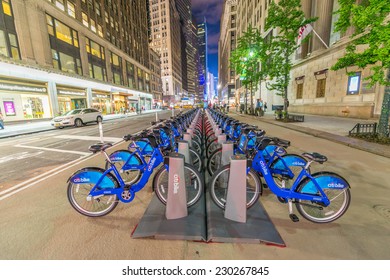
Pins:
x: 77, y: 117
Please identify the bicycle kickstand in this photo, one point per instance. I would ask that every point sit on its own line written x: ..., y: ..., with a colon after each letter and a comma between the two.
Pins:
x: 293, y: 217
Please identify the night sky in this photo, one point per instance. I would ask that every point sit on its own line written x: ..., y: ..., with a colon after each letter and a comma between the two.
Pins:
x: 211, y: 9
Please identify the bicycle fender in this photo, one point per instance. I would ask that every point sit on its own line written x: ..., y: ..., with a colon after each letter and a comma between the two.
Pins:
x: 91, y: 175
x: 123, y: 155
x: 326, y: 180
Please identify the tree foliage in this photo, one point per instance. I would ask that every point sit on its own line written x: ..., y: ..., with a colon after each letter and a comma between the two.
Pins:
x: 286, y: 17
x: 371, y: 24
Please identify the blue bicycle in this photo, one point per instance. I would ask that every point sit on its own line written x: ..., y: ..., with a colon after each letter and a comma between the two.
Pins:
x: 95, y: 192
x: 320, y: 197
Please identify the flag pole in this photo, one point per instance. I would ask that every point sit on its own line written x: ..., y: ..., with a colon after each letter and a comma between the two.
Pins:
x: 322, y: 41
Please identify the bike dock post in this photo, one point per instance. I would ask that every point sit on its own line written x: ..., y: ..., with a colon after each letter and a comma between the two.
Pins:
x: 221, y: 138
x: 235, y: 208
x: 184, y: 150
x: 187, y: 137
x: 177, y: 198
x: 227, y: 153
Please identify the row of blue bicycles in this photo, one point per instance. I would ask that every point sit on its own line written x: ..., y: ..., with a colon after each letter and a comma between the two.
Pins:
x: 95, y: 192
x: 320, y: 197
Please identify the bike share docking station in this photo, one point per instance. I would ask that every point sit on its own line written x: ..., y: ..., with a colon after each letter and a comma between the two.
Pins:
x: 205, y: 221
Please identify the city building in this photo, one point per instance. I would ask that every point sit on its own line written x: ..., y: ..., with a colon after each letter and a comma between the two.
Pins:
x: 166, y: 37
x: 314, y: 88
x: 202, y: 43
x: 210, y: 87
x: 155, y: 78
x: 58, y: 55
x: 226, y: 44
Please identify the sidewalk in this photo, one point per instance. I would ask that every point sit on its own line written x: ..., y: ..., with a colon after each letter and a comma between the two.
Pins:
x: 334, y: 129
x: 28, y: 127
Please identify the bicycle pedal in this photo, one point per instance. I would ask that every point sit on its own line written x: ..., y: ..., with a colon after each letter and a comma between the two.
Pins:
x: 294, y: 218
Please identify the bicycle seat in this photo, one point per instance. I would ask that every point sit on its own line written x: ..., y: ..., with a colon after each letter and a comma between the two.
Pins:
x: 315, y: 157
x: 281, y: 142
x: 99, y: 147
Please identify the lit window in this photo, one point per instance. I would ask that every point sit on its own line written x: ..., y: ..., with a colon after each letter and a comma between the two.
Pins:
x: 60, y: 4
x: 100, y: 30
x: 71, y: 10
x: 63, y: 32
x: 7, y: 7
x: 50, y: 25
x: 93, y: 25
x: 14, y: 46
x: 85, y: 19
x: 3, y: 44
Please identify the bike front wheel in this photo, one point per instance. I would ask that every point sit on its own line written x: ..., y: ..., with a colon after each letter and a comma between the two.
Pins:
x: 82, y: 202
x: 339, y: 199
x: 219, y: 187
x: 193, y: 182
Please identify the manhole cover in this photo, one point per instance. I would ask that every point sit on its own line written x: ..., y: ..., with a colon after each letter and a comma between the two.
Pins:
x: 383, y: 211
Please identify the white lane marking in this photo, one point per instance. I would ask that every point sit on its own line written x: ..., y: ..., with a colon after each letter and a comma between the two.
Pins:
x: 61, y: 169
x: 19, y: 156
x: 80, y: 137
x: 36, y: 181
x: 81, y: 159
x: 53, y: 150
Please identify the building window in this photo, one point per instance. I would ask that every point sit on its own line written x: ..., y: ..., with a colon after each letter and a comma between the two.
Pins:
x: 7, y: 7
x: 95, y: 49
x: 130, y: 75
x: 321, y: 83
x: 71, y: 10
x: 97, y: 72
x: 85, y: 19
x: 116, y: 67
x: 3, y: 44
x: 13, y: 41
x: 62, y: 31
x: 66, y: 63
x: 299, y: 91
x: 60, y: 5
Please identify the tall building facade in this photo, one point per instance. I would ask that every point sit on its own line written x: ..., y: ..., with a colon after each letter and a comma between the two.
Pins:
x: 227, y: 43
x: 166, y: 40
x: 202, y: 42
x: 58, y: 55
x: 314, y: 88
x: 155, y: 78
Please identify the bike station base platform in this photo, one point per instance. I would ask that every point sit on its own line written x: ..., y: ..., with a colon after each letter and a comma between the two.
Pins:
x: 154, y: 224
x: 257, y: 229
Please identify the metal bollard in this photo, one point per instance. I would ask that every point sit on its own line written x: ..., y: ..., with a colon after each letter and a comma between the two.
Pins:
x: 101, y: 132
x: 184, y: 149
x: 190, y: 131
x: 227, y: 152
x: 235, y: 208
x: 177, y: 197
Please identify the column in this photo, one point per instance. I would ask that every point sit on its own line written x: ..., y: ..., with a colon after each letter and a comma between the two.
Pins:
x: 52, y: 88
x: 322, y: 26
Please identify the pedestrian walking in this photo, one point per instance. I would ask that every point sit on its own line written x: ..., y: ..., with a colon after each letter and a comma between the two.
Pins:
x: 1, y: 121
x: 265, y: 106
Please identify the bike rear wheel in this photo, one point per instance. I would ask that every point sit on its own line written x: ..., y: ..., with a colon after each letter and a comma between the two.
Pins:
x: 193, y: 182
x: 129, y: 176
x: 78, y: 196
x: 339, y: 202
x: 196, y: 160
x: 219, y: 186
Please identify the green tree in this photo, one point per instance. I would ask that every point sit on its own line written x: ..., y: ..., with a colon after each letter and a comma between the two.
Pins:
x: 371, y: 22
x: 246, y: 59
x: 287, y: 18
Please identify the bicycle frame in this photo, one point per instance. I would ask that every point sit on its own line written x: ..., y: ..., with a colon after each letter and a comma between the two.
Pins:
x: 155, y: 160
x: 259, y: 164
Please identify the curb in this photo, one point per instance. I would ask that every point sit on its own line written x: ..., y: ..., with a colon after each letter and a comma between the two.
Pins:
x: 356, y: 143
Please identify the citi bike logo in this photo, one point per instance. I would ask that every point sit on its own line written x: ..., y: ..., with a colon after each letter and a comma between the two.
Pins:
x: 117, y: 158
x: 298, y: 163
x: 335, y: 185
x: 264, y: 167
x: 150, y: 167
x: 81, y: 180
x: 176, y: 181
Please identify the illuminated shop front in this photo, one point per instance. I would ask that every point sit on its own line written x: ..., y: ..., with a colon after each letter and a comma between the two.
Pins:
x: 22, y: 100
x: 71, y: 98
x: 102, y: 102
